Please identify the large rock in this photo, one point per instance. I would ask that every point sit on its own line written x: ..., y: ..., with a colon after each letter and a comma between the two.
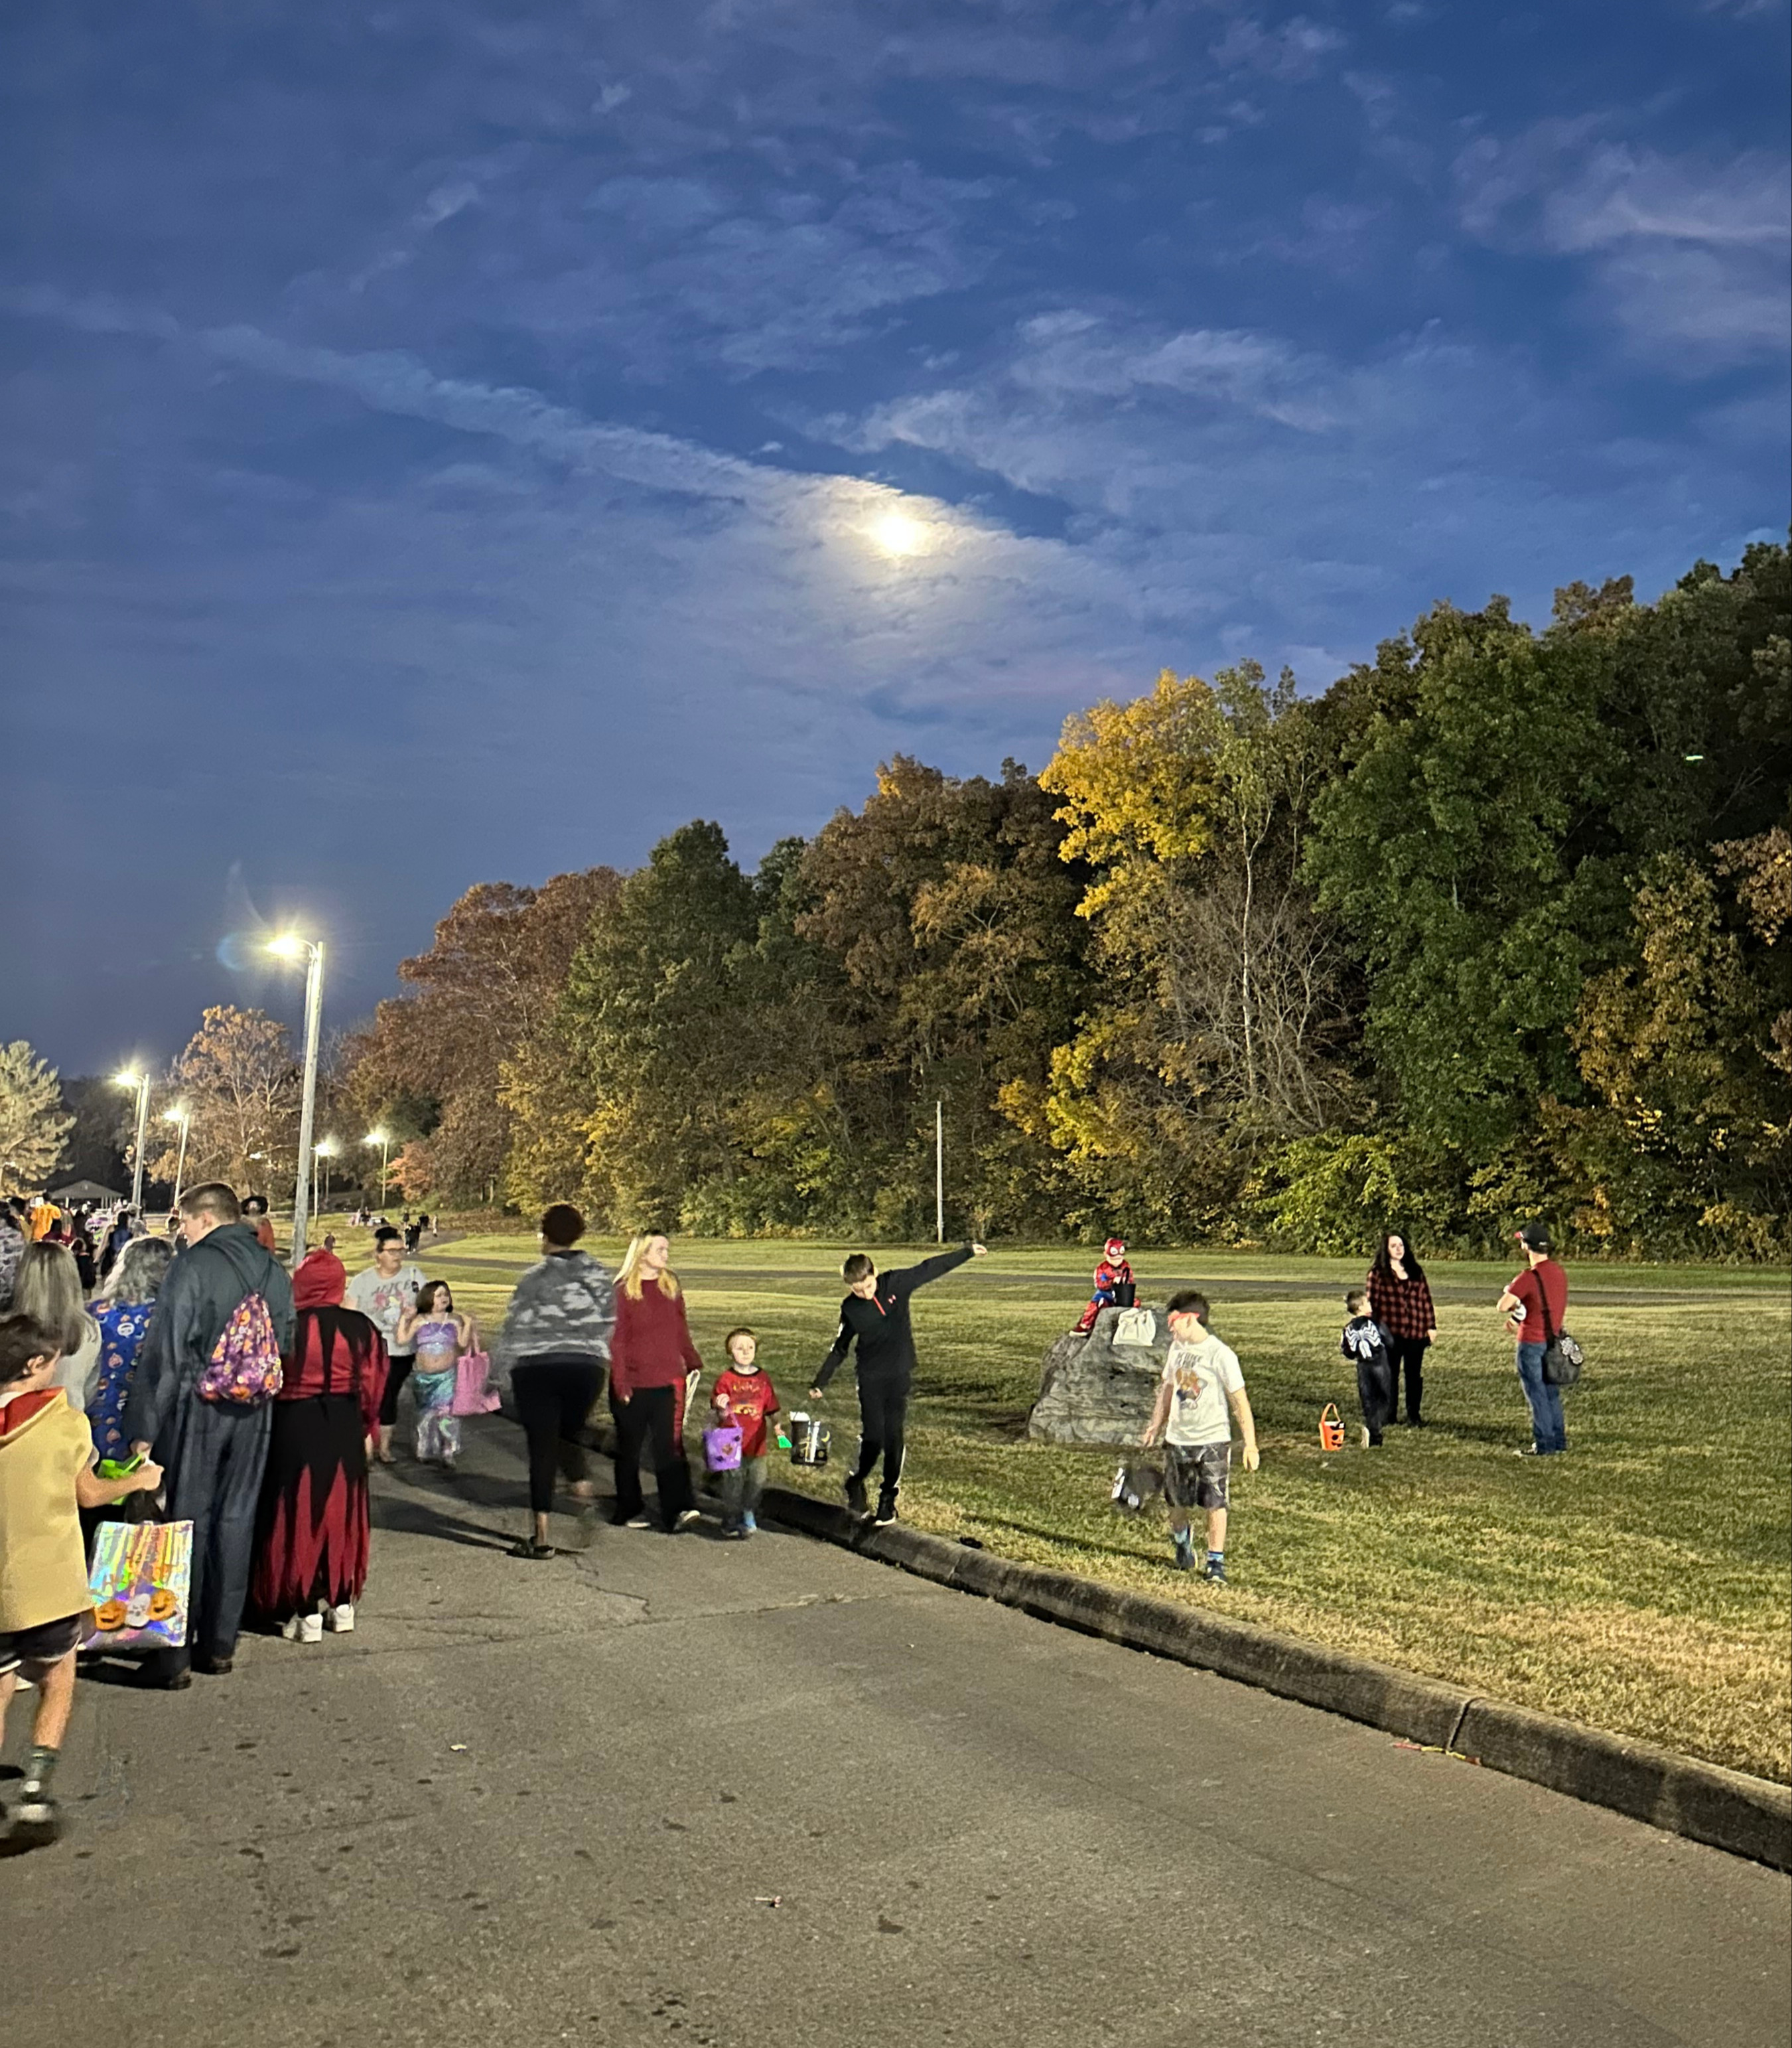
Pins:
x: 1092, y: 1390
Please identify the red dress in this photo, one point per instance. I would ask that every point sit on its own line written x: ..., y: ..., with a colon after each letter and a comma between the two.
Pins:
x: 310, y: 1537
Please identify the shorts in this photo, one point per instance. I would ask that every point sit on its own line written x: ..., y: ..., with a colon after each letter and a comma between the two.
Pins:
x: 36, y: 1651
x: 1195, y: 1475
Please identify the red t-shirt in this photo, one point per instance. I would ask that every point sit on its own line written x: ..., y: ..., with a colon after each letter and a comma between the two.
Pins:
x: 750, y: 1399
x: 1526, y: 1288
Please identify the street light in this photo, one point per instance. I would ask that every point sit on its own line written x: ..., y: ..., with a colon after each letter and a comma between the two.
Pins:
x: 290, y: 946
x: 381, y: 1138
x: 129, y: 1079
x: 183, y: 1116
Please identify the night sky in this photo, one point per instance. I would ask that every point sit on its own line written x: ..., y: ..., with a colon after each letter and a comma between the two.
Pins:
x: 452, y: 442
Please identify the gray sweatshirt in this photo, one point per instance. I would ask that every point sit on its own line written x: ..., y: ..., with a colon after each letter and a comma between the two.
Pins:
x: 565, y: 1302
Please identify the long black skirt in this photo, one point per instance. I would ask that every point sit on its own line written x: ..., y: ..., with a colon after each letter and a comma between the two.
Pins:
x: 311, y: 1534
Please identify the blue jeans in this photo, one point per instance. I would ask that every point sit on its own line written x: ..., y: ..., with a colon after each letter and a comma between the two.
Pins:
x: 1547, y: 1429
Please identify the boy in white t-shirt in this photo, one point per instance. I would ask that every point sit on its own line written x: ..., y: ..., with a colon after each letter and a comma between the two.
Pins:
x: 1201, y: 1382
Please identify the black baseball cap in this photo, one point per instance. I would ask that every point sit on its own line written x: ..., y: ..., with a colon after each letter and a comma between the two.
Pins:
x: 1534, y: 1237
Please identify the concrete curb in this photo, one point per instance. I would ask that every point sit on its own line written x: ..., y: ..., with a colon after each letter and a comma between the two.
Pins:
x: 1727, y: 1809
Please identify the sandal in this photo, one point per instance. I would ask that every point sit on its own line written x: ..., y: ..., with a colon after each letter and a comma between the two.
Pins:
x: 529, y: 1548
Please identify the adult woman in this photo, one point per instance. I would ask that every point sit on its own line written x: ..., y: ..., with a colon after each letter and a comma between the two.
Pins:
x: 49, y: 1287
x: 440, y: 1334
x: 123, y: 1308
x: 311, y: 1529
x: 652, y: 1365
x: 1400, y: 1301
x: 555, y: 1341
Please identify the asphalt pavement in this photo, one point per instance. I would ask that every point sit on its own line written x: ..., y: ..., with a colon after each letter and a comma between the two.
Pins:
x: 775, y: 1795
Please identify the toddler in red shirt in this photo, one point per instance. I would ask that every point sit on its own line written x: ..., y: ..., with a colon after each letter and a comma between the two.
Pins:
x: 744, y: 1396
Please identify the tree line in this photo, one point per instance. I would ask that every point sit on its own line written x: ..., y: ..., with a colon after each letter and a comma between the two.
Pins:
x: 1491, y: 928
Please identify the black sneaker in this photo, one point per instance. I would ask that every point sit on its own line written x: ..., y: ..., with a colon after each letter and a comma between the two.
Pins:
x: 885, y: 1515
x: 857, y: 1501
x: 1215, y: 1573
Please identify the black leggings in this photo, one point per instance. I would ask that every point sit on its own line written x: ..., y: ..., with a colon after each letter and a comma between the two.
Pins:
x: 652, y: 1416
x: 554, y: 1394
x: 882, y: 1424
x: 398, y: 1371
x: 1409, y: 1352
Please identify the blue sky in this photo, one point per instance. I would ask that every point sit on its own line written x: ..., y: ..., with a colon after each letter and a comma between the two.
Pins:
x: 457, y: 442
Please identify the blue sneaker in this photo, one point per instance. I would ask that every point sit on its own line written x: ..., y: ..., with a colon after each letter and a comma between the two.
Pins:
x: 1215, y: 1574
x: 749, y: 1521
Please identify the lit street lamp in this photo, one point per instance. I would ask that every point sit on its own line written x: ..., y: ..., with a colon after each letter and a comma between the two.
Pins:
x: 290, y: 946
x: 141, y: 1082
x: 381, y: 1138
x: 183, y: 1116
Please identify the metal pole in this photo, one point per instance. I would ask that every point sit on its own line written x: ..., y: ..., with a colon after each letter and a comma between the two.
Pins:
x: 180, y: 1164
x: 939, y: 1172
x: 386, y: 1146
x: 314, y: 1011
x: 142, y: 1121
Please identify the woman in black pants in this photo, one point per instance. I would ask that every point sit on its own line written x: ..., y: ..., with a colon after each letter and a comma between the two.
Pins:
x: 556, y: 1341
x: 1400, y: 1301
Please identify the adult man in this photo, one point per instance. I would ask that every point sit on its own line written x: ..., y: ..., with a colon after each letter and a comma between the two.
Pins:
x: 211, y: 1451
x: 875, y: 1316
x: 1535, y: 1305
x: 1201, y: 1380
x: 382, y: 1294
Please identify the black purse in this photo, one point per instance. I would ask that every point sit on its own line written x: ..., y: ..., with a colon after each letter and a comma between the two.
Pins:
x: 1562, y: 1357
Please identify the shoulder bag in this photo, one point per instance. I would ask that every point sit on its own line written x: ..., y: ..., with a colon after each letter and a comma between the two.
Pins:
x: 1562, y: 1357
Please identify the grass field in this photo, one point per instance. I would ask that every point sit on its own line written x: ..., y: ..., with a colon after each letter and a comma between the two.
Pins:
x: 1643, y: 1583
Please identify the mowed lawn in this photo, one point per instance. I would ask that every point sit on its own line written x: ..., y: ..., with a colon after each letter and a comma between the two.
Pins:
x: 1643, y: 1583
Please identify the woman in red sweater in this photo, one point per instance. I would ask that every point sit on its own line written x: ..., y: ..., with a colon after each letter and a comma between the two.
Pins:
x: 653, y: 1365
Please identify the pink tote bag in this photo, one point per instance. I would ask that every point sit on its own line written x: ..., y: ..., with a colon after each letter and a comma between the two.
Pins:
x: 474, y: 1394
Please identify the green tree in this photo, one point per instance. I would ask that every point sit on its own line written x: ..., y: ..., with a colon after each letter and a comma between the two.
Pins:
x: 33, y: 1121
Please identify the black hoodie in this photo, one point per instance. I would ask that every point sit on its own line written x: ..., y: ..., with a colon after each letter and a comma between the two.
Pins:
x: 198, y: 1298
x: 880, y: 1321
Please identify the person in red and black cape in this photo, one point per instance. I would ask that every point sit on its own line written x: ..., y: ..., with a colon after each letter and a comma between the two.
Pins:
x: 311, y: 1537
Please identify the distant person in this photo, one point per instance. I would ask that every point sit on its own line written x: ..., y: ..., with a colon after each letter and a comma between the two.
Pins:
x: 555, y: 1341
x: 49, y: 1287
x: 745, y: 1398
x: 1364, y: 1343
x: 45, y: 1216
x: 438, y: 1334
x: 875, y: 1316
x: 653, y: 1369
x: 311, y: 1538
x: 123, y: 1308
x: 46, y: 1479
x: 383, y: 1293
x: 1201, y: 1382
x: 1535, y: 1305
x: 223, y: 1318
x: 117, y: 1238
x: 255, y: 1215
x: 1400, y: 1301
x: 12, y: 1247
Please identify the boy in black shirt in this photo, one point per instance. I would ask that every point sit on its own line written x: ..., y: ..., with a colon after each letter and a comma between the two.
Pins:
x: 875, y: 1315
x: 1363, y: 1342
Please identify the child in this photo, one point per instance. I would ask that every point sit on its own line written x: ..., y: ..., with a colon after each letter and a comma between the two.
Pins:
x: 438, y: 1333
x: 1201, y: 1378
x: 744, y: 1395
x: 46, y: 1475
x: 1364, y: 1341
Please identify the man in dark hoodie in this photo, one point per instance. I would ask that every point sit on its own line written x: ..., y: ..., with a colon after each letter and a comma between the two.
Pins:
x: 211, y: 1452
x: 875, y: 1315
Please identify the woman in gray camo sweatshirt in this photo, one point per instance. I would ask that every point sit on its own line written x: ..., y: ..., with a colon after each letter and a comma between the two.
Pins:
x: 556, y: 1342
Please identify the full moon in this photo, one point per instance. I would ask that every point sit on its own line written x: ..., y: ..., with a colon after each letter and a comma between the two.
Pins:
x: 897, y: 534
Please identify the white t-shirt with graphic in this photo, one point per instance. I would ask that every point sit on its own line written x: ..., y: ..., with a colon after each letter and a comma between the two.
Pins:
x: 383, y: 1301
x: 1202, y: 1376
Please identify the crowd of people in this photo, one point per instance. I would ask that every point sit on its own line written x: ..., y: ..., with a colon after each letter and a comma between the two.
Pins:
x: 192, y: 1376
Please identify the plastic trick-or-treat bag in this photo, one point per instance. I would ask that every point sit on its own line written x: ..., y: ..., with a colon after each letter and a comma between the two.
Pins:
x: 722, y: 1448
x: 1135, y: 1487
x: 139, y: 1583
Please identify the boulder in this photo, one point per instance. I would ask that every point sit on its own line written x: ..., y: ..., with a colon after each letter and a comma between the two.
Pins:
x: 1092, y: 1390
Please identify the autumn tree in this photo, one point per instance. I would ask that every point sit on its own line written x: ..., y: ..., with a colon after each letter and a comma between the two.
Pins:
x: 239, y: 1082
x: 33, y: 1121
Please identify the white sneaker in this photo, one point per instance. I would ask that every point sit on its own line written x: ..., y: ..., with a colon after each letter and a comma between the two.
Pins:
x: 311, y: 1628
x: 340, y: 1620
x: 289, y: 1628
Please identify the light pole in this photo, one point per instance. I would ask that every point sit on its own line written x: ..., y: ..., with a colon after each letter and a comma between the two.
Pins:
x: 141, y: 1083
x: 183, y: 1116
x: 381, y: 1138
x: 325, y: 1150
x: 290, y: 946
x: 939, y: 1172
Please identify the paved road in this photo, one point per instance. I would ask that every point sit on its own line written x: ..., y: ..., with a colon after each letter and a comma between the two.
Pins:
x: 526, y: 1804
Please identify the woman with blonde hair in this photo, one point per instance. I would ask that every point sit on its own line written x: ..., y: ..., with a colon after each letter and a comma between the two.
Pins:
x: 653, y: 1366
x: 48, y: 1288
x: 123, y: 1308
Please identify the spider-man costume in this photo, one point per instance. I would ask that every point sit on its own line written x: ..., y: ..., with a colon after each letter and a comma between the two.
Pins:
x: 1111, y: 1275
